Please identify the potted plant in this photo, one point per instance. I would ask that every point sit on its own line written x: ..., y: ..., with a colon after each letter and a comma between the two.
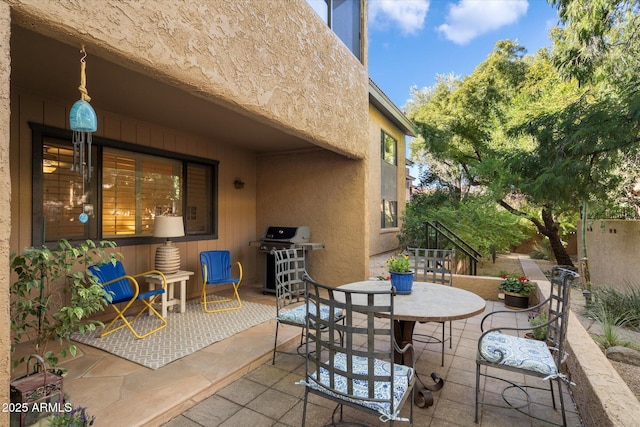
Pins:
x: 42, y: 311
x: 516, y: 291
x: 74, y: 417
x: 400, y: 273
x: 537, y: 318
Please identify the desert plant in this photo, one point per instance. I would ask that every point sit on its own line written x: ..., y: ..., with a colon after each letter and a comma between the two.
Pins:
x: 41, y: 312
x: 621, y: 305
x: 610, y: 321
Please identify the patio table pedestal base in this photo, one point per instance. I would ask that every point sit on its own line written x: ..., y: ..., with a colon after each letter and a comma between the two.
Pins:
x: 403, y: 331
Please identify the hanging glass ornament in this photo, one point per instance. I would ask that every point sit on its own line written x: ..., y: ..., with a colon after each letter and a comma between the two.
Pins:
x: 83, y: 122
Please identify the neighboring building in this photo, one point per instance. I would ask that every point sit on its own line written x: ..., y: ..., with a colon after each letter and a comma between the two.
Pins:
x: 198, y: 95
x: 387, y: 188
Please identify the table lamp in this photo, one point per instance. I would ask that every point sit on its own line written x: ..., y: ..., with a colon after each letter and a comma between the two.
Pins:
x: 168, y: 255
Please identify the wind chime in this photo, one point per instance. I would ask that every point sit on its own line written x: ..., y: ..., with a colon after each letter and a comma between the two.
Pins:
x: 83, y: 121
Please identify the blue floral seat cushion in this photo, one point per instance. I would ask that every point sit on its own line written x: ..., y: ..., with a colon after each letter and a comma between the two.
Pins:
x: 298, y: 314
x: 403, y: 376
x: 523, y: 353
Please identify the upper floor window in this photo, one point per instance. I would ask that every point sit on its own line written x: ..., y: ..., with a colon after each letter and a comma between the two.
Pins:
x: 389, y: 149
x: 343, y: 17
x: 129, y: 186
x: 388, y: 181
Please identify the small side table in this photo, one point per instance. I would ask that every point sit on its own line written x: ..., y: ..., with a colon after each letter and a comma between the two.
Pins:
x: 168, y: 297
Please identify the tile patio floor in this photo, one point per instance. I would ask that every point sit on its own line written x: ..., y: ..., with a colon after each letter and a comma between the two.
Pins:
x: 232, y: 383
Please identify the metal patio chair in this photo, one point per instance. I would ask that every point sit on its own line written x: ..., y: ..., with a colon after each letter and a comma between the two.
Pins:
x: 290, y: 267
x: 216, y: 270
x: 353, y: 362
x: 125, y: 289
x: 433, y: 266
x: 503, y: 349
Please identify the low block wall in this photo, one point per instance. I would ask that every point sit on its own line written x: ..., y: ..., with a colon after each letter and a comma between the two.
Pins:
x: 601, y: 395
x: 485, y: 287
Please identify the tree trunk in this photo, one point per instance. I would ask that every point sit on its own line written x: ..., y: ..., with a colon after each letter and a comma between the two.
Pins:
x: 551, y: 230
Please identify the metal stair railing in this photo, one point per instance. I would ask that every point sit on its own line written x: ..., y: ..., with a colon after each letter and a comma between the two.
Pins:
x: 441, y: 231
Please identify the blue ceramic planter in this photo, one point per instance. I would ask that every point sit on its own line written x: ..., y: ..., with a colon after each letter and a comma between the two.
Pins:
x: 403, y: 282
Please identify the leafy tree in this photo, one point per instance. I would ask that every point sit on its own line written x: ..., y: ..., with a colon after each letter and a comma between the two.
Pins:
x: 477, y: 220
x: 474, y: 129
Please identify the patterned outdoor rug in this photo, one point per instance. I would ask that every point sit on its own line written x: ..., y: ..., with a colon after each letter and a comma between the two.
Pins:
x: 185, y: 333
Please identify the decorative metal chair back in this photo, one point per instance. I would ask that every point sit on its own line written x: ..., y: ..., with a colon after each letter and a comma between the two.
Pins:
x: 290, y: 267
x: 432, y: 265
x: 352, y: 363
x: 504, y: 348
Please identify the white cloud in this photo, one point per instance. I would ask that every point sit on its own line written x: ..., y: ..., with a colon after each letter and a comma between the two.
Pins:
x: 471, y: 18
x: 409, y: 15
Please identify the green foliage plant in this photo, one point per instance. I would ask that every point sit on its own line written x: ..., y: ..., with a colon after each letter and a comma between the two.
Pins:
x: 399, y: 264
x: 536, y: 319
x: 54, y: 295
x: 517, y: 285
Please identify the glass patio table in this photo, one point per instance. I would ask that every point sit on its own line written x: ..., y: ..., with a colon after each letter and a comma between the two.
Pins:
x: 427, y: 302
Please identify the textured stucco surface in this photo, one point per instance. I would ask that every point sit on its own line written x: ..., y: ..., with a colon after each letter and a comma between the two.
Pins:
x: 5, y: 200
x: 327, y: 193
x: 383, y: 240
x: 612, y: 249
x: 239, y: 54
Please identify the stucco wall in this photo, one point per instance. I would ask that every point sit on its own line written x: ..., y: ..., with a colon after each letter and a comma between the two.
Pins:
x: 5, y: 199
x: 326, y: 192
x: 240, y: 54
x: 383, y: 240
x: 612, y: 250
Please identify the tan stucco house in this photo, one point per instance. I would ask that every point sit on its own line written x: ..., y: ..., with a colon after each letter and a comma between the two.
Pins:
x: 199, y: 94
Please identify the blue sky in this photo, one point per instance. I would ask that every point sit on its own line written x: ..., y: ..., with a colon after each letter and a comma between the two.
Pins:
x: 411, y: 41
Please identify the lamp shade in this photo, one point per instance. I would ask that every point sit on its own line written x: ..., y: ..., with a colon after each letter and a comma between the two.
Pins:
x: 168, y: 226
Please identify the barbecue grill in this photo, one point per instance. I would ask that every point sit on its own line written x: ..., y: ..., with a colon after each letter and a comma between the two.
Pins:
x: 276, y: 238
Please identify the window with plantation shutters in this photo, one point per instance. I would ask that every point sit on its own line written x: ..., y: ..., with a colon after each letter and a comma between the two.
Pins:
x: 199, y: 200
x: 136, y: 188
x: 63, y: 198
x: 129, y: 186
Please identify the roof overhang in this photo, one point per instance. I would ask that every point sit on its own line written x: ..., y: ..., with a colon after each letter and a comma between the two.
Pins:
x: 382, y: 102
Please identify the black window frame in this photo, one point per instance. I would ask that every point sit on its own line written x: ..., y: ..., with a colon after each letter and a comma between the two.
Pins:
x: 38, y: 134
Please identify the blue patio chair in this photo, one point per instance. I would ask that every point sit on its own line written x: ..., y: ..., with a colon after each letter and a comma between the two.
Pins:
x: 124, y: 289
x: 216, y: 270
x: 503, y: 348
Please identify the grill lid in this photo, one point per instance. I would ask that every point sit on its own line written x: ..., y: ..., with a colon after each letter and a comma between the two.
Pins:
x: 287, y: 234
